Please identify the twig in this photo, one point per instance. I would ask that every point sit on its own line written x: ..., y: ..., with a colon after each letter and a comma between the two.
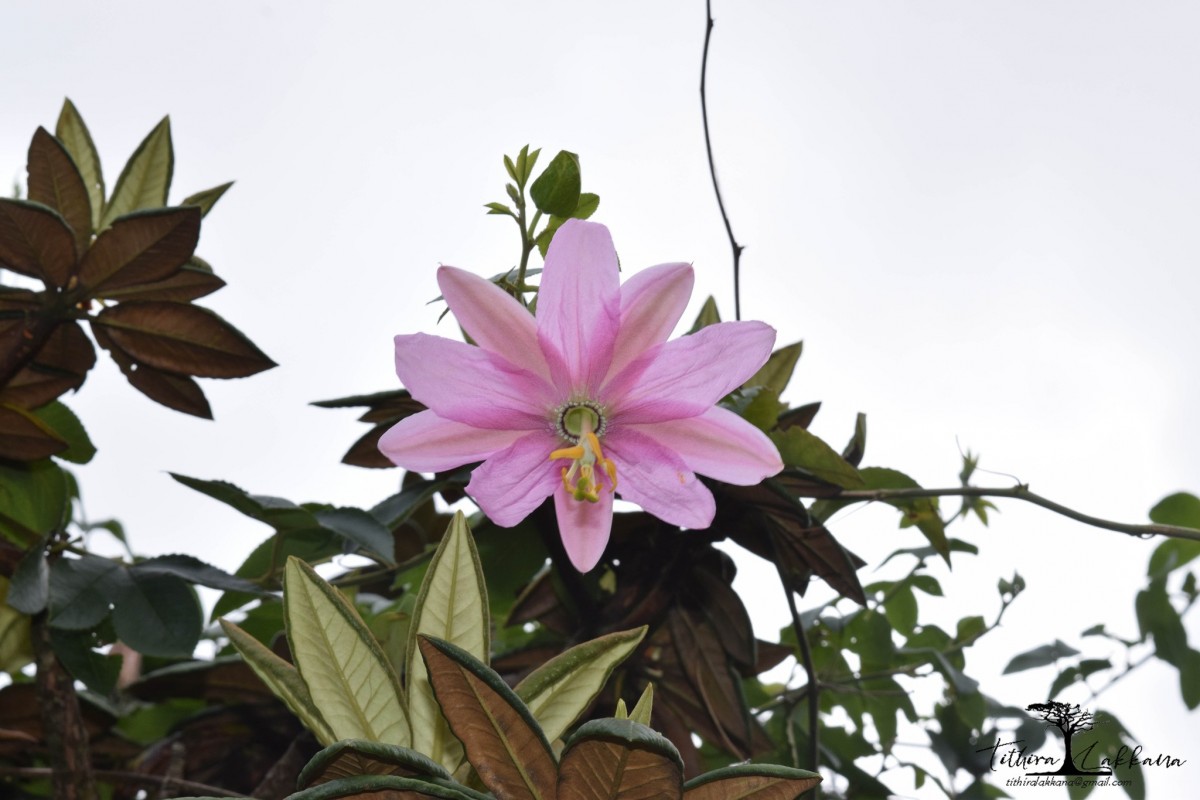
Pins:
x: 812, y: 690
x: 712, y: 169
x: 117, y: 776
x: 1021, y: 493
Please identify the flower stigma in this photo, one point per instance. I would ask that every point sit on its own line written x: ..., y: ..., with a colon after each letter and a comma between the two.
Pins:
x: 582, y: 423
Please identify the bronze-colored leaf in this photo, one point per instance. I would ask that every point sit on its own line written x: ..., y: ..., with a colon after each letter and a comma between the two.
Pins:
x: 351, y: 757
x: 24, y: 438
x: 178, y: 392
x: 143, y: 247
x: 36, y: 241
x: 502, y: 741
x: 714, y: 683
x: 194, y: 279
x: 181, y: 338
x: 365, y: 451
x: 384, y: 409
x: 721, y: 606
x: 751, y: 782
x: 61, y: 365
x: 54, y: 180
x: 770, y: 521
x: 618, y: 759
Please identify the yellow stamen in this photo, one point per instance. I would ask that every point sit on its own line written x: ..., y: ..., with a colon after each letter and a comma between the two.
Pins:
x: 584, y: 457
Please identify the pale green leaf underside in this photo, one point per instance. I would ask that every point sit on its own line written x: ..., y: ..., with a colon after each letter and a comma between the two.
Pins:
x: 343, y: 665
x: 146, y: 178
x: 561, y: 689
x: 282, y: 679
x: 452, y: 605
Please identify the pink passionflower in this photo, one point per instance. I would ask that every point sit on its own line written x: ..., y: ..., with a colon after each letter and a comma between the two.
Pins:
x: 586, y: 399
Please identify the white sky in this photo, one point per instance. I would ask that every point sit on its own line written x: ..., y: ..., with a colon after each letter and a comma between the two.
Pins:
x: 980, y: 218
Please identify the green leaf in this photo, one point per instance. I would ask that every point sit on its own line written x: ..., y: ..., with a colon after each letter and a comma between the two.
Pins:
x: 344, y: 667
x: 502, y: 740
x: 16, y: 648
x: 82, y: 590
x: 360, y: 528
x: 193, y: 570
x: 146, y: 179
x: 1040, y: 657
x: 66, y: 426
x: 207, y: 198
x: 560, y: 690
x: 1180, y: 508
x: 588, y: 203
x: 556, y: 190
x: 351, y: 757
x: 452, y: 605
x: 33, y: 500
x: 382, y: 787
x: 74, y: 135
x: 645, y: 706
x: 751, y: 782
x: 708, y: 315
x: 900, y: 608
x: 1158, y: 618
x: 159, y: 615
x: 24, y: 437
x: 74, y: 649
x: 778, y: 370
x: 29, y: 591
x: 619, y: 759
x: 803, y: 450
x: 282, y: 679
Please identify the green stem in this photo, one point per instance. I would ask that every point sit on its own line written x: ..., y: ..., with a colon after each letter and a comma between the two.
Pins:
x: 1020, y: 492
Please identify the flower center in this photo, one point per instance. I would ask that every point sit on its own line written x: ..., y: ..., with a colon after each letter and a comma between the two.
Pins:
x: 582, y: 423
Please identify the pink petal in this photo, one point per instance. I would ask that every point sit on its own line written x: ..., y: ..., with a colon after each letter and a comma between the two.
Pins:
x: 652, y: 301
x: 687, y: 376
x: 585, y: 527
x: 494, y: 319
x: 515, y: 481
x: 469, y: 385
x: 658, y: 480
x: 719, y: 444
x: 426, y: 442
x: 579, y: 305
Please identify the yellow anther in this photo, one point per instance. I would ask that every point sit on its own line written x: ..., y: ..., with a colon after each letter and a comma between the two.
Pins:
x: 573, y: 453
x: 584, y: 458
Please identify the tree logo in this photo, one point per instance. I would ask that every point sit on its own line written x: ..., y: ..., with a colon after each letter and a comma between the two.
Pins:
x: 1069, y: 719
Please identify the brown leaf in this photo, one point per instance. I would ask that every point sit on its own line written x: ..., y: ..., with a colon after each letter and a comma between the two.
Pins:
x: 140, y: 248
x: 36, y: 241
x: 502, y: 741
x: 618, y: 759
x: 769, y: 521
x: 177, y: 392
x: 181, y: 338
x: 54, y: 180
x: 61, y: 365
x: 714, y: 684
x: 194, y: 279
x: 24, y: 438
x: 752, y: 782
x: 365, y: 451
